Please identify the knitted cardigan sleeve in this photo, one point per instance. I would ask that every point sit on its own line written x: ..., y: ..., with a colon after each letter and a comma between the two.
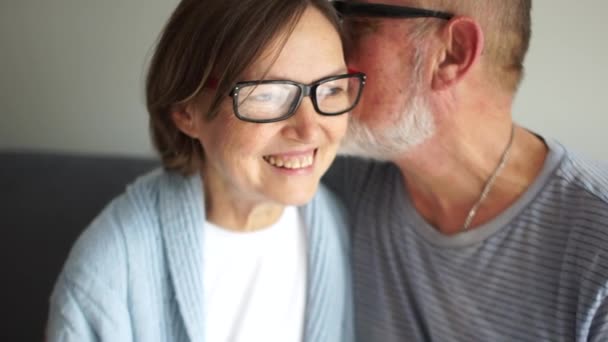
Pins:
x: 88, y: 301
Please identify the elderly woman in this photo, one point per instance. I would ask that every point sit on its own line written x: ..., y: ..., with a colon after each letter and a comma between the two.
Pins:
x: 233, y: 240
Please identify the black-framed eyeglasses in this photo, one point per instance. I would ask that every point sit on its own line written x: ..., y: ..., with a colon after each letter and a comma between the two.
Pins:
x: 275, y: 100
x: 361, y: 9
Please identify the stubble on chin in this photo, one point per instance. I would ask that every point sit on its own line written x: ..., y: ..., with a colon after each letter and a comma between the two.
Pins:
x: 391, y: 139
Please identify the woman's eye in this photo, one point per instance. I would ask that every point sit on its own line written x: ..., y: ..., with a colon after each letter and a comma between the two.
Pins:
x: 333, y: 91
x: 263, y: 97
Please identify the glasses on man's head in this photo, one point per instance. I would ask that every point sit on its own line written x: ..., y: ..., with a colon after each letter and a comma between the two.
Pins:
x: 275, y: 100
x: 374, y: 10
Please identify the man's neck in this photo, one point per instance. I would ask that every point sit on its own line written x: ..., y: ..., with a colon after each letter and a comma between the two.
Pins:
x: 445, y: 178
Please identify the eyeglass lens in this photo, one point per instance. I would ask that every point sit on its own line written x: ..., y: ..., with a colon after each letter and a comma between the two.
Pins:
x: 267, y: 101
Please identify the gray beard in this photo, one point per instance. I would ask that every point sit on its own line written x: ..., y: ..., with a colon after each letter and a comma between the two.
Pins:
x: 413, y: 127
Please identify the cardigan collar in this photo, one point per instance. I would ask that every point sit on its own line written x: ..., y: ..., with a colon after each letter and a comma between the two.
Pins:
x: 328, y: 307
x: 181, y: 209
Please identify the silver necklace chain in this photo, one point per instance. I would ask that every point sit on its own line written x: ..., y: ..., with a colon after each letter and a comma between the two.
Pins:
x: 490, y: 182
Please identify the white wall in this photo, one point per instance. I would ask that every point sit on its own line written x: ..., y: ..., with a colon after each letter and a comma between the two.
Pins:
x: 71, y: 74
x: 565, y: 92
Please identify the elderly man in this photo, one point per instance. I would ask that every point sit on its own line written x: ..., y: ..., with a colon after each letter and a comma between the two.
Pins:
x: 466, y: 227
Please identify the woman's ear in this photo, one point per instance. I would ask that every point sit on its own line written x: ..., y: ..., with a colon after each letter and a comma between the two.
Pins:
x: 185, y: 117
x: 463, y: 43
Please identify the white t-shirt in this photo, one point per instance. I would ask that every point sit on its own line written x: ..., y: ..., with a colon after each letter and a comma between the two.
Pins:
x: 255, y: 283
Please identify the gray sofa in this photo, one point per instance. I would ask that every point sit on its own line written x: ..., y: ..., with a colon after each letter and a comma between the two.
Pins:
x: 46, y: 200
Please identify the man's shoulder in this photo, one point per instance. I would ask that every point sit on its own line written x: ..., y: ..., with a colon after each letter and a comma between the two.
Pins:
x: 359, y: 168
x: 353, y: 161
x: 575, y: 202
x: 581, y: 187
x: 584, y: 179
x: 350, y: 175
x: 353, y: 178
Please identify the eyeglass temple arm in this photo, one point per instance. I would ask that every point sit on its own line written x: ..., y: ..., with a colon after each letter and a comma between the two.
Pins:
x: 353, y: 9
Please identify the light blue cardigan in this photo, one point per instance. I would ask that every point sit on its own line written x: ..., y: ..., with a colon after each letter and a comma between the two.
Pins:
x: 136, y: 273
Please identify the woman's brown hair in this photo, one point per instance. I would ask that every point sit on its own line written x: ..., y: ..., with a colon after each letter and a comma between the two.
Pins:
x: 204, y: 39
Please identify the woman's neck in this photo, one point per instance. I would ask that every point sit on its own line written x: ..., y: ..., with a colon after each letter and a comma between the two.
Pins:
x: 231, y: 209
x: 241, y: 217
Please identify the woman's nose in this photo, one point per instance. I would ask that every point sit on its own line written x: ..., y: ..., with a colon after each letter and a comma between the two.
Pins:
x: 304, y: 124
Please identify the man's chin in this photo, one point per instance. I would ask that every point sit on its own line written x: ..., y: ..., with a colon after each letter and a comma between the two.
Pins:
x: 361, y: 141
x: 388, y: 143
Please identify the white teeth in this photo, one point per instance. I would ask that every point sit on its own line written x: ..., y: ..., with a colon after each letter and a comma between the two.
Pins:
x: 290, y: 162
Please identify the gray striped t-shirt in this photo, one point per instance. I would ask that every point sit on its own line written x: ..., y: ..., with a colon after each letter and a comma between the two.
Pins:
x: 538, y: 272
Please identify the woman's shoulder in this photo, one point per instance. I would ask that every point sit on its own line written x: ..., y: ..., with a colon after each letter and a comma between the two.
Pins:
x: 98, y: 273
x: 127, y: 221
x: 328, y: 197
x: 327, y: 210
x: 118, y: 254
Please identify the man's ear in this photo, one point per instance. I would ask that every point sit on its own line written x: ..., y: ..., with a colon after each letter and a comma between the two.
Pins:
x: 184, y: 117
x: 463, y: 44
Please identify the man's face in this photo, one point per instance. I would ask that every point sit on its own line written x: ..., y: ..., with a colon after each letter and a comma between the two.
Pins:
x: 378, y: 49
x: 393, y: 115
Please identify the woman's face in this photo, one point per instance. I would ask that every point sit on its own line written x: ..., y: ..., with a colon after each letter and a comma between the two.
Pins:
x: 280, y: 162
